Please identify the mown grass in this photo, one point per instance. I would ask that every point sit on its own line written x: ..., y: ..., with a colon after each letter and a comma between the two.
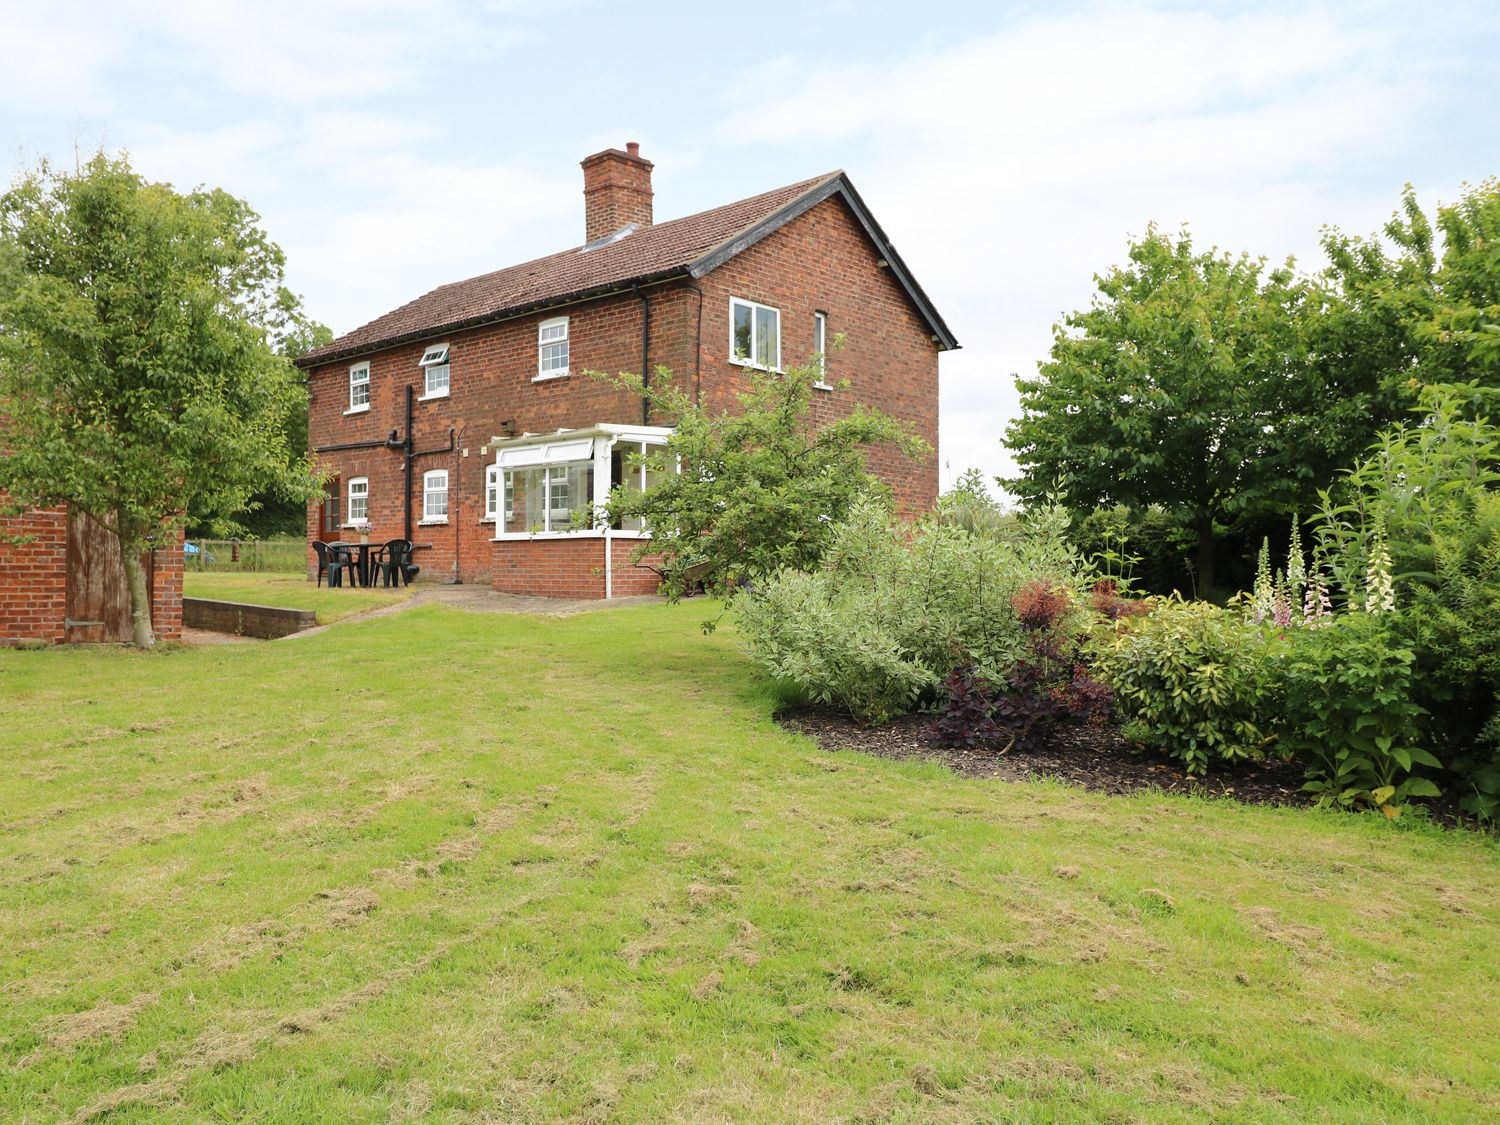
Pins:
x: 461, y: 867
x: 291, y: 591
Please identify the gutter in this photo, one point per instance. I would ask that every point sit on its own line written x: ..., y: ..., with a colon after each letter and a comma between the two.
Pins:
x: 612, y: 289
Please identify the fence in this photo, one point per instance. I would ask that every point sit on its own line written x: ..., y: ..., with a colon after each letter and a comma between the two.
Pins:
x: 283, y: 556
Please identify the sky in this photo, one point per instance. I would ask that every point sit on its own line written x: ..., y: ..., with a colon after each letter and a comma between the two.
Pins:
x: 1010, y: 151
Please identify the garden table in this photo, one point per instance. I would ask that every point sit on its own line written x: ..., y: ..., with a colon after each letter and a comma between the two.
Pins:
x: 362, y: 558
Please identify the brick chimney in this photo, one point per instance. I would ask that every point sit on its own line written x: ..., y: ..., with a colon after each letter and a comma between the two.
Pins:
x: 616, y: 191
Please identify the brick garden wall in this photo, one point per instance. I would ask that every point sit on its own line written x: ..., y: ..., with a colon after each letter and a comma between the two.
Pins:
x: 34, y: 581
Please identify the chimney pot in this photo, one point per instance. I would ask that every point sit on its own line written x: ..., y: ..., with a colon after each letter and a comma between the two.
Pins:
x: 616, y: 191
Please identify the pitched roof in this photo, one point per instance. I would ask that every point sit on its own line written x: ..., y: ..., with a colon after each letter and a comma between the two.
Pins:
x: 690, y: 246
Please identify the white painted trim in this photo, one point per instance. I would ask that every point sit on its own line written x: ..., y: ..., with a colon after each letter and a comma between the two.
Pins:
x: 354, y: 407
x: 438, y: 394
x: 361, y: 409
x: 821, y: 386
x: 426, y: 488
x: 566, y: 339
x: 441, y: 521
x: 517, y: 536
x: 349, y: 500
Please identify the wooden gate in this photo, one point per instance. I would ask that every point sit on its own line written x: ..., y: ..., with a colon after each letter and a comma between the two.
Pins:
x: 98, y: 610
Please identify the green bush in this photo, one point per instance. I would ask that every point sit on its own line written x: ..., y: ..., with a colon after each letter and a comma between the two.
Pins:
x: 895, y: 607
x: 1345, y: 708
x: 1189, y: 681
x: 1434, y: 490
x: 1454, y: 629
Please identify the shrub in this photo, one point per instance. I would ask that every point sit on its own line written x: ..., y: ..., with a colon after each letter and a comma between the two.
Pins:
x: 1429, y: 495
x: 1346, y: 711
x: 966, y: 717
x: 1454, y: 630
x: 895, y: 607
x: 1049, y: 684
x: 1108, y: 602
x: 1188, y: 681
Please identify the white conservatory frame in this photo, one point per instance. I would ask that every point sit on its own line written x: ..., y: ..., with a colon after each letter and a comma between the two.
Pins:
x: 592, y: 444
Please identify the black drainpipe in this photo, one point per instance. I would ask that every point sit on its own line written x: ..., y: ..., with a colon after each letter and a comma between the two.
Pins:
x: 410, y: 452
x: 635, y: 288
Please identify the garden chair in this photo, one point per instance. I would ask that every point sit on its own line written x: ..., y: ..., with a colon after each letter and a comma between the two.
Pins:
x: 393, y: 563
x: 333, y: 561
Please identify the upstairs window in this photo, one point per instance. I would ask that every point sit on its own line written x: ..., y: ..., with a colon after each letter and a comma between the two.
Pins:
x: 754, y: 334
x: 820, y: 346
x: 552, y: 348
x: 434, y: 363
x: 359, y: 387
x: 359, y: 500
x: 435, y: 496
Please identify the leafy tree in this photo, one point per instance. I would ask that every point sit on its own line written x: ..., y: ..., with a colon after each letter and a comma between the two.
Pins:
x: 758, y: 489
x: 267, y: 512
x: 141, y: 368
x: 1193, y: 382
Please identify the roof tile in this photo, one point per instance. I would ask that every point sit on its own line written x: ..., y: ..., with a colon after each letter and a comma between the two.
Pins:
x: 659, y: 249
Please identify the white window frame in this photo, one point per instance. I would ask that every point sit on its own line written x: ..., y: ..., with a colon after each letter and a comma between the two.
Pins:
x: 357, y: 370
x: 568, y: 449
x: 363, y: 496
x: 435, y: 359
x: 499, y: 496
x: 428, y: 491
x: 820, y: 346
x: 543, y: 343
x: 754, y: 360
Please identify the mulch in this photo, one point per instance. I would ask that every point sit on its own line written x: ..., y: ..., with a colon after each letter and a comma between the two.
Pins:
x: 1094, y: 758
x: 1098, y: 759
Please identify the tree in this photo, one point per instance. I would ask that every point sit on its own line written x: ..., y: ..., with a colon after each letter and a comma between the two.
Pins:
x: 1192, y: 383
x: 140, y: 374
x: 759, y: 489
x: 268, y: 513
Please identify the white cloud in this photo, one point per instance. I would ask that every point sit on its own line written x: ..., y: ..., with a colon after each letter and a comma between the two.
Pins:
x: 1010, y: 168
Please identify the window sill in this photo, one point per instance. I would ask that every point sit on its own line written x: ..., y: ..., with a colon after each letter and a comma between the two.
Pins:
x: 517, y: 536
x: 435, y: 394
x: 547, y: 378
x: 357, y: 410
x: 432, y: 523
x: 750, y: 363
x: 822, y: 386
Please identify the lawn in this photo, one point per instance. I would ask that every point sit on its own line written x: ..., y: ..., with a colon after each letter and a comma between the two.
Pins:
x: 292, y: 591
x: 463, y: 867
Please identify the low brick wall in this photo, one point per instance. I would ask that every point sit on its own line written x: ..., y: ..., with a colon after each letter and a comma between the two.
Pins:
x: 244, y: 619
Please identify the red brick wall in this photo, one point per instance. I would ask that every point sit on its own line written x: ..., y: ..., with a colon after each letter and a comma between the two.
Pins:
x: 568, y: 568
x: 34, y: 581
x: 491, y: 371
x: 166, y: 590
x: 820, y: 261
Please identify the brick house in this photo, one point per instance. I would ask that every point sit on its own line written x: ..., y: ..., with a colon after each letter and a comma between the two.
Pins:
x: 464, y: 422
x: 64, y: 582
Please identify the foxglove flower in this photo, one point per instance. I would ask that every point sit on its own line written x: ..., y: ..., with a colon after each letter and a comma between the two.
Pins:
x: 1380, y: 590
